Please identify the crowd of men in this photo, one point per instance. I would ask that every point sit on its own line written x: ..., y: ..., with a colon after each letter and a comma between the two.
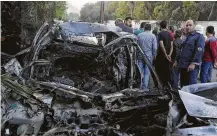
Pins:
x: 178, y: 56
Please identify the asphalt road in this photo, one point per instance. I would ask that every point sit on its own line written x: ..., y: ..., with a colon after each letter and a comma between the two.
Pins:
x: 214, y: 78
x: 214, y: 75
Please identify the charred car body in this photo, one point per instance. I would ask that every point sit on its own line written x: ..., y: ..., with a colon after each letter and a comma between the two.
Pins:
x: 83, y: 79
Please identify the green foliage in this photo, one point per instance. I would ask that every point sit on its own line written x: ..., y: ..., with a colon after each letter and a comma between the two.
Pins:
x: 86, y: 12
x: 60, y: 9
x: 158, y: 11
x: 145, y: 10
x: 123, y: 10
x: 177, y: 14
x: 110, y: 8
x: 73, y: 16
x: 190, y: 10
x: 90, y: 12
x: 140, y: 12
x: 161, y: 12
x: 36, y: 12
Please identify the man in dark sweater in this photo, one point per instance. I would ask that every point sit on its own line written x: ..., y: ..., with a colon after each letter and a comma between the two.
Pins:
x: 191, y: 55
x: 171, y: 30
x: 177, y: 44
x: 128, y: 21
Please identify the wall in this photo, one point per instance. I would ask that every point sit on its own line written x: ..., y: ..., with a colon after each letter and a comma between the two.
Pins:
x: 207, y: 23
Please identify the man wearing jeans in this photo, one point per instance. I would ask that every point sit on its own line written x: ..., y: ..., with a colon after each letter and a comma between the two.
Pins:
x: 148, y: 43
x: 210, y: 56
x: 191, y: 55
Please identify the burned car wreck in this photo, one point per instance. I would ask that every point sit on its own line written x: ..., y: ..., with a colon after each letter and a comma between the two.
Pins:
x: 83, y: 79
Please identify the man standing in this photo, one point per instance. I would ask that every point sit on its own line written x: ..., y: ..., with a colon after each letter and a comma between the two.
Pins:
x: 128, y: 21
x: 184, y: 33
x: 210, y: 56
x: 141, y: 29
x: 148, y: 44
x: 177, y: 44
x: 123, y: 26
x: 155, y: 32
x: 163, y: 59
x: 191, y: 55
x: 128, y: 29
x: 171, y: 30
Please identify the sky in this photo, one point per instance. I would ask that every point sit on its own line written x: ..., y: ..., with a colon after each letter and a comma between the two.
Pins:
x: 79, y: 3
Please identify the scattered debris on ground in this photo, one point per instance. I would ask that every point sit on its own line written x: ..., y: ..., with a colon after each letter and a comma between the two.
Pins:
x: 83, y: 79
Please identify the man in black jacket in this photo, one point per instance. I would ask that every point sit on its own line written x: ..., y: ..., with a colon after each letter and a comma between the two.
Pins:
x: 177, y: 44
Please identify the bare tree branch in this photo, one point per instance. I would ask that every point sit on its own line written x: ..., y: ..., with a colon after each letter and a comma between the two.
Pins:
x: 212, y: 15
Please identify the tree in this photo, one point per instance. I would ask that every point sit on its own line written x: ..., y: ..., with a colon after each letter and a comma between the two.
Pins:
x: 140, y: 12
x: 131, y: 6
x: 160, y: 13
x: 190, y: 10
x: 204, y: 9
x: 150, y: 6
x: 123, y: 10
x: 177, y: 14
x: 73, y: 16
x: 85, y: 12
x: 90, y: 12
x: 60, y: 9
x: 110, y: 8
x: 151, y: 10
x: 213, y: 12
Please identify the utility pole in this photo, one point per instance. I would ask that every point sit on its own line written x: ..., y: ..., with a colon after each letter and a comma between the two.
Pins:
x: 102, y: 12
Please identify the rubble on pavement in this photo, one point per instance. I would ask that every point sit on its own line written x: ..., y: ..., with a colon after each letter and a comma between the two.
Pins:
x: 83, y: 79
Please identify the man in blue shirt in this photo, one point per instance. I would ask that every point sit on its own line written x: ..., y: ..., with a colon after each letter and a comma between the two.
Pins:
x: 148, y: 43
x: 191, y: 55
